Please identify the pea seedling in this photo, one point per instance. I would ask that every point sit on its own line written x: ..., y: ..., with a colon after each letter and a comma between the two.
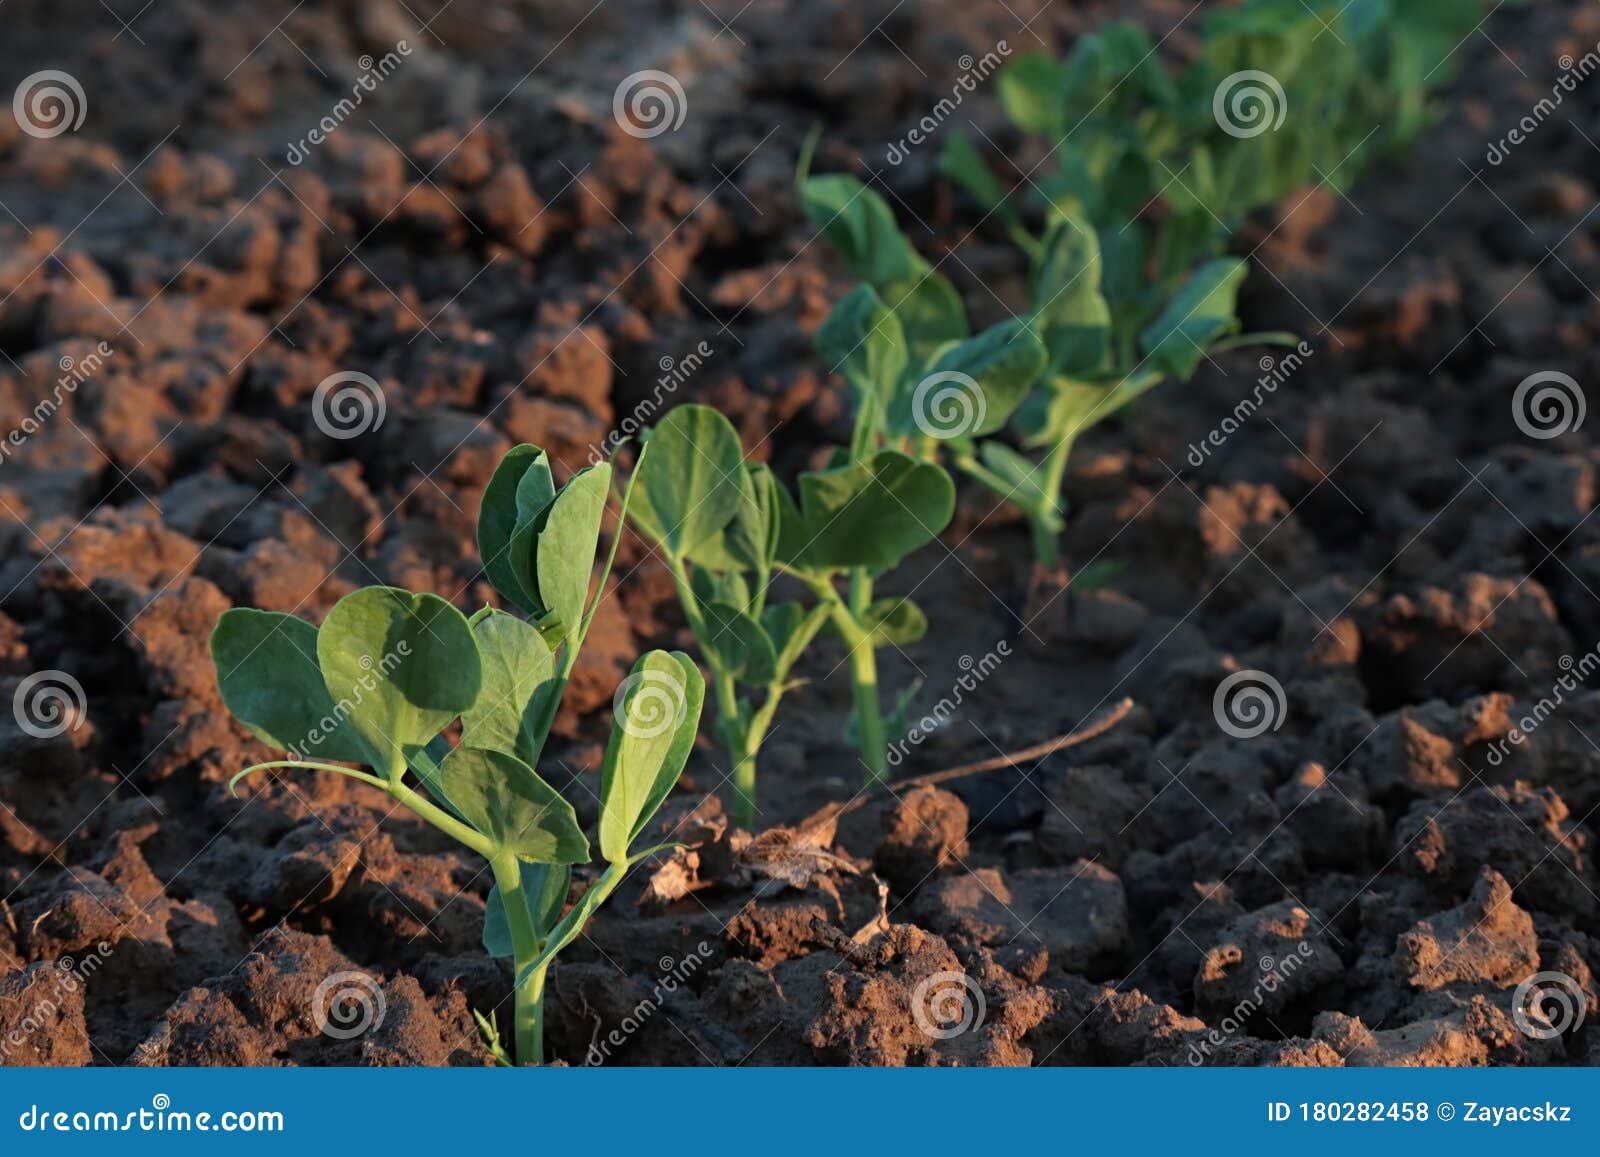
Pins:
x: 725, y: 527
x: 389, y: 670
x: 1082, y: 351
x: 1122, y: 297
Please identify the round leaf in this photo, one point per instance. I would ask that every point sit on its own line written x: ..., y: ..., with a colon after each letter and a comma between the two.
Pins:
x: 690, y: 479
x: 267, y: 669
x: 870, y: 514
x: 518, y: 679
x: 399, y: 666
x: 657, y: 714
x: 505, y: 799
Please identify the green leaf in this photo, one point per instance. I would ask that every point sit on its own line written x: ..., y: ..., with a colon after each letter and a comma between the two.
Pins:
x: 738, y: 644
x: 690, y: 479
x: 525, y: 469
x: 929, y: 309
x: 1021, y: 482
x: 657, y: 715
x: 856, y: 222
x: 861, y: 340
x: 563, y: 563
x: 544, y: 891
x: 1031, y: 89
x: 518, y: 679
x: 505, y: 800
x: 870, y: 514
x: 267, y: 669
x: 400, y: 666
x: 1199, y: 313
x: 750, y: 541
x: 959, y: 160
x: 972, y: 388
x: 791, y: 627
x: 569, y: 927
x: 1068, y: 304
x: 895, y: 620
x: 1068, y: 406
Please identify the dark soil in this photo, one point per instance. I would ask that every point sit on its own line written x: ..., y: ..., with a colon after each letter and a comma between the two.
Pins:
x: 1368, y: 884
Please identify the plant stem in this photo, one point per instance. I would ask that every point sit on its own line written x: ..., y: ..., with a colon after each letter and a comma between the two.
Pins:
x: 744, y: 789
x: 528, y: 1014
x: 444, y: 821
x: 737, y: 735
x: 864, y: 677
x: 869, y: 720
x: 1044, y: 524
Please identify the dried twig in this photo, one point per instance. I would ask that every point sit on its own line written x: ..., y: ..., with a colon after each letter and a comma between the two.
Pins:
x: 835, y: 940
x: 1094, y: 730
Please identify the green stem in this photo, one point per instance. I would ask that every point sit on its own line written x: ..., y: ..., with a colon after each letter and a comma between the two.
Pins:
x: 864, y: 680
x: 444, y: 821
x: 874, y: 740
x: 1046, y: 543
x: 742, y: 742
x: 528, y: 1014
x: 740, y: 748
x: 744, y: 788
x: 869, y: 719
x: 1044, y: 524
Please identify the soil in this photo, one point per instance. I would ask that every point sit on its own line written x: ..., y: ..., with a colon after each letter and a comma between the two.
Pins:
x: 1367, y: 884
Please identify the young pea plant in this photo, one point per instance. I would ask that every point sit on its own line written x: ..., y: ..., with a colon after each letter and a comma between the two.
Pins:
x: 1282, y: 94
x: 1078, y: 355
x: 726, y: 527
x: 1124, y: 295
x: 389, y: 671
